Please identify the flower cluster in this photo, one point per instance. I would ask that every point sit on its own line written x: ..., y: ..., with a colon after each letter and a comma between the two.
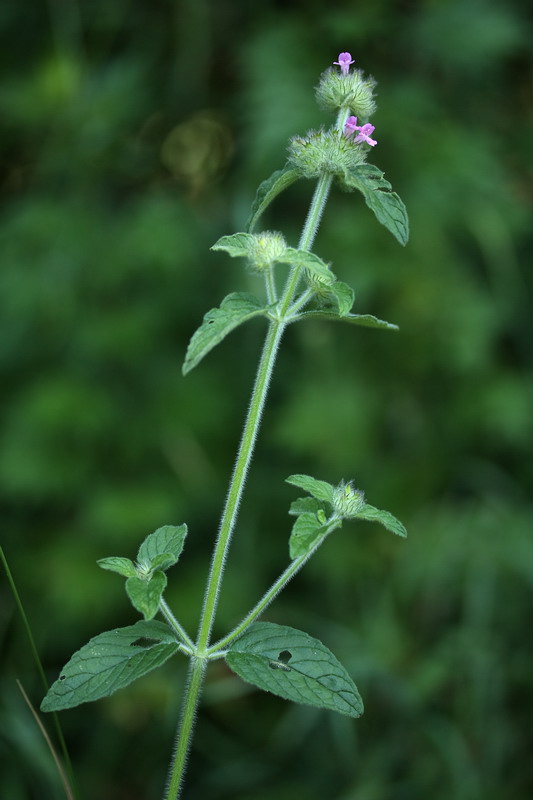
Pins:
x: 346, y: 88
x: 351, y: 127
x: 324, y: 151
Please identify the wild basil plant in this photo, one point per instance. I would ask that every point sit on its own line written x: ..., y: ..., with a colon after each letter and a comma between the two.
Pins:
x: 276, y: 658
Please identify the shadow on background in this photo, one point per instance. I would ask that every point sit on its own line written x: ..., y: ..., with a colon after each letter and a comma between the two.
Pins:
x: 134, y: 136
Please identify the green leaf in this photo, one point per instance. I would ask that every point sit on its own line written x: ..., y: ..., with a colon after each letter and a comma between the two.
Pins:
x: 309, y: 261
x: 305, y: 531
x: 109, y: 662
x: 123, y: 566
x: 295, y: 666
x: 165, y: 541
x: 384, y: 518
x: 238, y: 244
x: 145, y: 595
x: 339, y: 295
x: 306, y: 504
x: 268, y: 191
x: 366, y: 320
x: 386, y: 205
x: 319, y: 489
x: 234, y: 309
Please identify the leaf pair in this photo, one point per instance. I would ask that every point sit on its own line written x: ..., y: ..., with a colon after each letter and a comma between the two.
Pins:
x: 387, y: 206
x: 146, y: 581
x: 323, y: 512
x: 275, y: 658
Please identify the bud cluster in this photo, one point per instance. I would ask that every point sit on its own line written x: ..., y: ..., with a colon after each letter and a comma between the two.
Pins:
x: 347, y: 501
x: 265, y: 250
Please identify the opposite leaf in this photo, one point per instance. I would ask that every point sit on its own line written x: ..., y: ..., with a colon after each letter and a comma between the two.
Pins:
x: 145, y: 595
x: 167, y: 540
x: 124, y: 566
x: 268, y: 190
x: 234, y: 309
x: 309, y: 261
x: 386, y: 205
x: 306, y: 505
x: 295, y: 666
x: 305, y: 531
x: 110, y: 661
x: 238, y: 244
x: 384, y: 518
x: 366, y: 320
x: 319, y: 489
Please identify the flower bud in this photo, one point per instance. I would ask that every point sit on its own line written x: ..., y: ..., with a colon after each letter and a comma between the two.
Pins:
x: 347, y: 501
x: 325, y: 151
x: 351, y: 90
x: 265, y: 249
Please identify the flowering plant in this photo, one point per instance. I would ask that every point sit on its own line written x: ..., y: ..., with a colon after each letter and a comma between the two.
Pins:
x: 277, y: 658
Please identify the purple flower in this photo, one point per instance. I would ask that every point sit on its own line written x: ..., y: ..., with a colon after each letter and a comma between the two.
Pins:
x: 345, y: 59
x: 364, y: 134
x: 351, y: 126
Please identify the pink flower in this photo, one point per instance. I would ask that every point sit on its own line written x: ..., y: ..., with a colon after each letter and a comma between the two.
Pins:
x: 364, y: 134
x: 351, y: 126
x: 345, y: 59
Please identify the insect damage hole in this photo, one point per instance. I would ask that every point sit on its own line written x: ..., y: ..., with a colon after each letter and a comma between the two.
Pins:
x: 144, y: 641
x: 282, y: 661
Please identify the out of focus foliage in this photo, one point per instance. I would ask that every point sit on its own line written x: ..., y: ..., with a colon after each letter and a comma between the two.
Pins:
x: 134, y: 135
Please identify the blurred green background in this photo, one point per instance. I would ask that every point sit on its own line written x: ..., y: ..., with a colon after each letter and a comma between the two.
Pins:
x: 134, y: 135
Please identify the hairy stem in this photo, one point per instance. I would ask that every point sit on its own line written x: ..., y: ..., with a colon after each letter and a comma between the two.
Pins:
x: 236, y: 487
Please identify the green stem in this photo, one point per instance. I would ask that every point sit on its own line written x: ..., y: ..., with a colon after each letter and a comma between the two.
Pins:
x: 294, y: 567
x: 176, y: 627
x: 188, y: 714
x: 229, y: 516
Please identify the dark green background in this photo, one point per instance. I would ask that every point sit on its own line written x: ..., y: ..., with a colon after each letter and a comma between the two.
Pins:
x: 134, y: 135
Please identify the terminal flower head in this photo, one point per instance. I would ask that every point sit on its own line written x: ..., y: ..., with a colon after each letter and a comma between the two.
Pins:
x: 345, y: 59
x: 364, y: 131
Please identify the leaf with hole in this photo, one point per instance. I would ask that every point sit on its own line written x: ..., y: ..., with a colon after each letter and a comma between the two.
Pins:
x: 293, y: 665
x: 234, y: 309
x: 109, y: 662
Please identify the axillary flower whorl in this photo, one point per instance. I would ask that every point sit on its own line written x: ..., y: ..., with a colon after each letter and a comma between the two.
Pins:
x: 325, y: 151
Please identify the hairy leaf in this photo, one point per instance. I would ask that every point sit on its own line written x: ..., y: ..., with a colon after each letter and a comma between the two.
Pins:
x: 310, y: 261
x: 319, y: 489
x: 238, y: 244
x: 268, y: 190
x: 384, y: 518
x: 366, y: 320
x: 124, y: 566
x: 234, y: 309
x: 167, y: 540
x: 305, y: 504
x: 109, y: 662
x: 145, y: 595
x: 386, y: 205
x: 305, y: 531
x: 295, y: 666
